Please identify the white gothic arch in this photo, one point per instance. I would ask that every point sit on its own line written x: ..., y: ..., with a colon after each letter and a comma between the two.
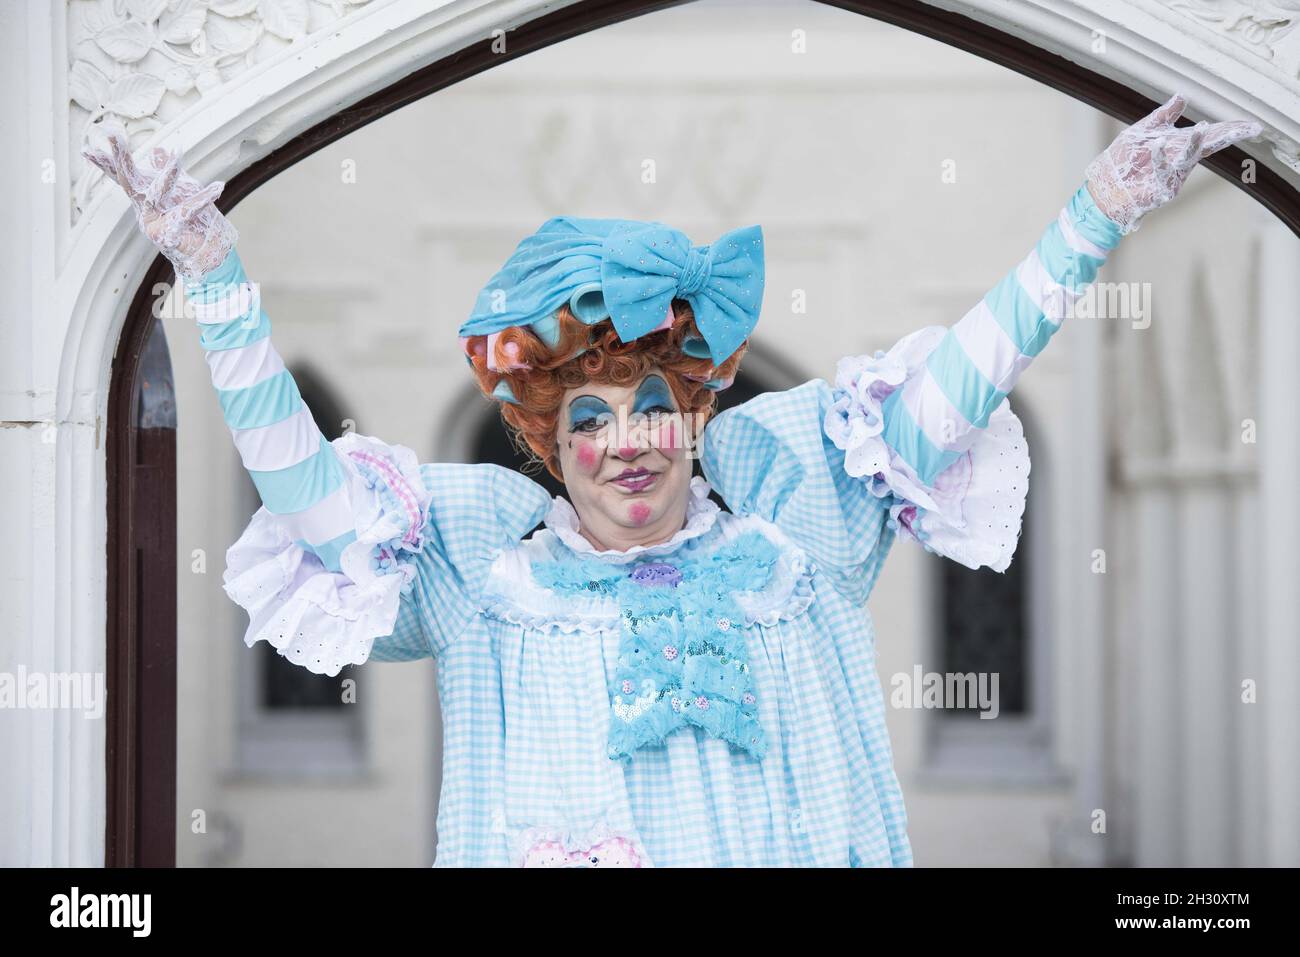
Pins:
x: 73, y: 258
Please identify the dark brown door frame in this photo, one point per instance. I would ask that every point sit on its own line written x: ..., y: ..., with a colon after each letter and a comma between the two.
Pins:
x: 141, y: 755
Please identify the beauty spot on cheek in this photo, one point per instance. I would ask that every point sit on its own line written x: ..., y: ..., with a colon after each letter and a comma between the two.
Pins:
x: 639, y: 512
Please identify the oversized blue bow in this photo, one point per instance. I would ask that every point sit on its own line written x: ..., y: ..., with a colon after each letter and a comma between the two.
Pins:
x: 647, y: 265
x: 629, y: 272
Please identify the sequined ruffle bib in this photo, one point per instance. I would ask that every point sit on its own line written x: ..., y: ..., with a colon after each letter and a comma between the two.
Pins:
x: 682, y: 658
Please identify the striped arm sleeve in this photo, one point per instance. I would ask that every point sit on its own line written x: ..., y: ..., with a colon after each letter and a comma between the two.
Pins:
x: 296, y: 470
x: 935, y: 416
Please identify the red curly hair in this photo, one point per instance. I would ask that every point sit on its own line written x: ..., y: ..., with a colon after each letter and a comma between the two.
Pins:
x: 609, y: 360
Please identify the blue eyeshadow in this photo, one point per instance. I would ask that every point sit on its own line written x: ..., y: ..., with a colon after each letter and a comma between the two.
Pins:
x: 652, y: 391
x: 587, y: 407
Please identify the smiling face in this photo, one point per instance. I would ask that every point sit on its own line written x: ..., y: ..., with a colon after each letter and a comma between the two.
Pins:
x: 623, y: 451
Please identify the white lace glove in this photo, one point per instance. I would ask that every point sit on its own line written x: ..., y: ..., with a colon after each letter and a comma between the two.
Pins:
x: 175, y: 211
x: 1147, y: 164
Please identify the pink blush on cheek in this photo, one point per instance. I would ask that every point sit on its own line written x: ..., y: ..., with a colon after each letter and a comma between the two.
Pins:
x: 587, y: 456
x: 639, y: 513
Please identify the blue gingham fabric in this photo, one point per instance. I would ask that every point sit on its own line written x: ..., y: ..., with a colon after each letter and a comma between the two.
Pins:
x: 523, y: 673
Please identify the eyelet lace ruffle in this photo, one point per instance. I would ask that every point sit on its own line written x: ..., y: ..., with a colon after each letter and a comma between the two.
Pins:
x: 789, y: 591
x: 513, y: 594
x: 317, y: 618
x: 972, y: 512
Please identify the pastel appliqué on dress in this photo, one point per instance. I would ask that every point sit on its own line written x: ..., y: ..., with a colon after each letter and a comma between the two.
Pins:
x: 682, y: 658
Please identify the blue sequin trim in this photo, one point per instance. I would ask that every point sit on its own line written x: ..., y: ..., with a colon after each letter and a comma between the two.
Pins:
x: 682, y: 658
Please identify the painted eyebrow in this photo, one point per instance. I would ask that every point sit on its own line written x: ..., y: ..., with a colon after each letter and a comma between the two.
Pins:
x: 592, y: 405
x: 577, y: 399
x: 654, y: 387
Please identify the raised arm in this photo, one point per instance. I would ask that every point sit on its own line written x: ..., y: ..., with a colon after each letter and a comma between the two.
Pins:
x: 297, y: 472
x: 359, y: 551
x: 932, y: 420
x: 926, y: 426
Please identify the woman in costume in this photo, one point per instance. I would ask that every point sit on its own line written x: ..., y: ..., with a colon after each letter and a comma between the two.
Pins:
x: 647, y: 680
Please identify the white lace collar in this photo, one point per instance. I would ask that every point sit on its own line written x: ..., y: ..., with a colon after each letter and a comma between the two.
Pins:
x: 701, y: 514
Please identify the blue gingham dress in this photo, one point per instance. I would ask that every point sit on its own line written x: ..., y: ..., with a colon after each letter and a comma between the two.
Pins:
x: 524, y: 672
x: 361, y: 553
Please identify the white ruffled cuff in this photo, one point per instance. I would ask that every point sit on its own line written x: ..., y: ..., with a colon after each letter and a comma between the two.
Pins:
x: 317, y: 618
x: 972, y: 511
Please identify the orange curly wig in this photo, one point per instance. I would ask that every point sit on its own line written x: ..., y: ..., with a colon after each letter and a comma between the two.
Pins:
x: 540, y: 375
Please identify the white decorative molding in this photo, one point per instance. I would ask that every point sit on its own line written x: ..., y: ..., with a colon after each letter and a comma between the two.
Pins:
x: 1260, y: 26
x: 1250, y: 31
x: 733, y: 149
x: 1230, y: 63
x: 145, y: 62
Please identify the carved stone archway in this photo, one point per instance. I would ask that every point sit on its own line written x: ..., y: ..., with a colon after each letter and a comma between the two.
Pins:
x: 272, y: 85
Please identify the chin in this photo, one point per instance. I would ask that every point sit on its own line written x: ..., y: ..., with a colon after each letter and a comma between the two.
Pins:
x: 658, y: 499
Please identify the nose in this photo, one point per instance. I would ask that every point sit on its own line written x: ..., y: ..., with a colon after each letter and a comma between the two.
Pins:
x: 630, y: 451
x: 630, y: 438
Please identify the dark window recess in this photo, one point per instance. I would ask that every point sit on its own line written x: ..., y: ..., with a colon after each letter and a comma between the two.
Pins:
x: 283, y: 686
x: 984, y: 622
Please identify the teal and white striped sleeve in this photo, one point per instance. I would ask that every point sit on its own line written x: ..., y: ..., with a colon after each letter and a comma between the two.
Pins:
x: 297, y: 472
x: 934, y: 417
x: 326, y: 567
x: 359, y: 552
x: 927, y: 425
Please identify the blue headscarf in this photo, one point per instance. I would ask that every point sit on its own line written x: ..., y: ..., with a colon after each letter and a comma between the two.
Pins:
x: 629, y: 272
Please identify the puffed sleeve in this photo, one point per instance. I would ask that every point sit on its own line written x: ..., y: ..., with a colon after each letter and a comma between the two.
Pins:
x: 970, y: 509
x: 920, y: 437
x: 771, y: 457
x: 475, y: 513
x: 406, y: 584
x: 358, y: 551
x: 927, y: 425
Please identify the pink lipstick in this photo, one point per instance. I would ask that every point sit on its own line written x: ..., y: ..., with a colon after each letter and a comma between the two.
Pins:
x: 635, y: 480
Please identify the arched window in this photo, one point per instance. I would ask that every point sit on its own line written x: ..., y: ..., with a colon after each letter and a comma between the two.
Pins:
x: 983, y: 620
x: 984, y: 624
